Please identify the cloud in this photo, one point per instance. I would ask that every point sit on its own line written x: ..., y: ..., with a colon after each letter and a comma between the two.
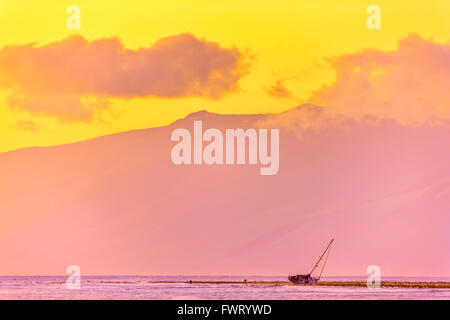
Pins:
x: 409, y: 85
x: 278, y: 90
x: 308, y: 118
x: 67, y: 107
x: 56, y: 78
x: 28, y: 125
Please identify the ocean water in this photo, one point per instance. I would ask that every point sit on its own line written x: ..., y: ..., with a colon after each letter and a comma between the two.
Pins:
x: 146, y: 287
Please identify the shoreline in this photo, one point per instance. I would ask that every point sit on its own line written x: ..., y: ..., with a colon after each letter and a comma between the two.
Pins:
x: 384, y: 284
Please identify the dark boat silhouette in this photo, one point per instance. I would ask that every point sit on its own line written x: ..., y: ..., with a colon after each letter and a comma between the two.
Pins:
x: 307, y: 278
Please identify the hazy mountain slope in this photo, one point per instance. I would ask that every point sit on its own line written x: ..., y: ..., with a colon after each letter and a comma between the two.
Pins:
x: 117, y: 204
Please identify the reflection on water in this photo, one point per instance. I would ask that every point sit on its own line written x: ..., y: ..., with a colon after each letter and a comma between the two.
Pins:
x: 141, y: 287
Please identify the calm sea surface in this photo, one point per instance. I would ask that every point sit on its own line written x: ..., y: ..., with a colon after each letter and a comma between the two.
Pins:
x: 142, y: 287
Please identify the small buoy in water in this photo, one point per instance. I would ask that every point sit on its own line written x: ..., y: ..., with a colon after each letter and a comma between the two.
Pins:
x: 190, y: 281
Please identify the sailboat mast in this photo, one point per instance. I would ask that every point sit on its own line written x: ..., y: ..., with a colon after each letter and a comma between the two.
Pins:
x: 322, y: 256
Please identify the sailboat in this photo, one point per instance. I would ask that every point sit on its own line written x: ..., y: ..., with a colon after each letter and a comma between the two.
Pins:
x: 307, y: 278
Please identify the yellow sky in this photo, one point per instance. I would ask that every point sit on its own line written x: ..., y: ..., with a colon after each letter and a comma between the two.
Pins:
x: 288, y: 38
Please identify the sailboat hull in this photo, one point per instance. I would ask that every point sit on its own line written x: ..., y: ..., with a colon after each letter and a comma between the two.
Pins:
x: 299, y: 279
